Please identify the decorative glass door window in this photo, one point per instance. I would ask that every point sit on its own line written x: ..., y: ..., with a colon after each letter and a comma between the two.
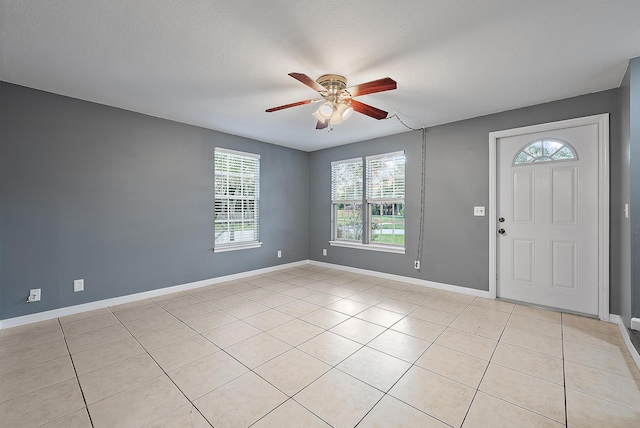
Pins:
x: 545, y: 151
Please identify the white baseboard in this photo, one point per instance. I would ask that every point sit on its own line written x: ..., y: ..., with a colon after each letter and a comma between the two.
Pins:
x: 422, y: 282
x: 99, y: 304
x: 635, y: 324
x: 625, y: 335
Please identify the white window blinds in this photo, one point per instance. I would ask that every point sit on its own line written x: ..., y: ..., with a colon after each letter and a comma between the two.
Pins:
x: 385, y: 177
x: 346, y: 180
x: 237, y: 191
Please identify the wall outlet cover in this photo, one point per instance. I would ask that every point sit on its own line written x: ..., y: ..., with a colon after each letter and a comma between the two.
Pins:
x: 478, y: 211
x: 78, y: 285
x: 324, y: 251
x: 279, y: 253
x: 34, y: 295
x: 416, y: 264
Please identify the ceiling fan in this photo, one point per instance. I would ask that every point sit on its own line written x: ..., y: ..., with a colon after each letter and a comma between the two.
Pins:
x: 337, y: 100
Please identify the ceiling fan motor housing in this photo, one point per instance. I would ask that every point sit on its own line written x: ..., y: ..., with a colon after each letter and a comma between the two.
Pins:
x: 334, y: 83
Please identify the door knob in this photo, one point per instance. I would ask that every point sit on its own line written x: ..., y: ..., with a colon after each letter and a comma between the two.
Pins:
x: 502, y: 231
x: 501, y: 219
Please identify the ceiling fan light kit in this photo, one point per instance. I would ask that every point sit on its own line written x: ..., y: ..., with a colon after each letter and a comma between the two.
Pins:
x: 337, y: 100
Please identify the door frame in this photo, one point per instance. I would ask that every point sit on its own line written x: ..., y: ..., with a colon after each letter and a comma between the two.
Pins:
x: 602, y: 120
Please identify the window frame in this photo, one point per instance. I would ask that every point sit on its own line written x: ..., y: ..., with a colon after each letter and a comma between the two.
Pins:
x: 255, y: 198
x: 356, y: 197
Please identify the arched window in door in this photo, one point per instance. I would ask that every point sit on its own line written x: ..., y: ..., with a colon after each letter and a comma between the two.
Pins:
x: 546, y: 150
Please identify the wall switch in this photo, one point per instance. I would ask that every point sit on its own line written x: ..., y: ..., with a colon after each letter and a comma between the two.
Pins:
x: 279, y: 253
x: 324, y: 251
x: 478, y: 211
x: 78, y: 285
x: 34, y: 295
x: 416, y: 264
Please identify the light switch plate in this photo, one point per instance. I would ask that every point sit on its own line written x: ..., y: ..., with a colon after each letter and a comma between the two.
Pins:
x: 478, y: 211
x: 78, y: 285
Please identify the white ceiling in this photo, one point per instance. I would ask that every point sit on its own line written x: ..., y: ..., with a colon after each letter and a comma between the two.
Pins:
x: 220, y: 63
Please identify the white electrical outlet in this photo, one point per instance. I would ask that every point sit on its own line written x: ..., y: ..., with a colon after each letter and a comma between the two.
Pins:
x: 78, y: 285
x: 34, y: 295
x: 279, y: 253
x: 416, y: 264
x: 478, y: 211
x: 324, y: 251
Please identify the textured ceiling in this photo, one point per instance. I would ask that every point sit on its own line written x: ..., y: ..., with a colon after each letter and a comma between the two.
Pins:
x: 219, y: 64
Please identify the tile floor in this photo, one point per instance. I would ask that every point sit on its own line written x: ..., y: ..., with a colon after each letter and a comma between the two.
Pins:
x: 317, y: 347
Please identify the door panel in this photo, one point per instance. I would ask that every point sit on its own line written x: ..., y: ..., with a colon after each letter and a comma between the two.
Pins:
x: 523, y: 196
x: 564, y: 195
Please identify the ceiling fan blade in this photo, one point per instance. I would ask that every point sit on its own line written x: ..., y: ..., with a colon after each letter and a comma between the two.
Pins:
x: 380, y: 85
x: 303, y: 78
x: 322, y: 124
x: 299, y: 103
x: 370, y: 111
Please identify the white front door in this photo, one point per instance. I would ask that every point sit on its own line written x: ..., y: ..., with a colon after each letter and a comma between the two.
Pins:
x: 547, y: 212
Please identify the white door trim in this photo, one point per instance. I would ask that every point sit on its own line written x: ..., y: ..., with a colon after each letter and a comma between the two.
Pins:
x: 602, y: 120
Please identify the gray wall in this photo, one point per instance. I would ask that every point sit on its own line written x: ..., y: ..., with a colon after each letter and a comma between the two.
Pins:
x: 634, y: 174
x: 622, y: 266
x: 456, y: 243
x: 124, y: 201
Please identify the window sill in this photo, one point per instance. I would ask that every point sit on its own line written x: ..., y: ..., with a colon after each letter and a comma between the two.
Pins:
x: 369, y: 247
x: 244, y: 246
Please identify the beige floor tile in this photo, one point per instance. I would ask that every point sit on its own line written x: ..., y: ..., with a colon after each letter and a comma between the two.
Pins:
x: 257, y: 350
x: 295, y: 332
x: 297, y: 308
x: 612, y: 362
x: 181, y: 353
x: 35, y: 355
x: 375, y: 368
x: 612, y: 387
x: 30, y: 379
x: 247, y: 309
x: 488, y: 314
x: 33, y: 329
x: 532, y: 393
x: 140, y: 325
x: 84, y: 315
x: 118, y: 377
x: 477, y: 346
x: 455, y: 365
x: 129, y: 305
x: 292, y: 371
x: 137, y: 312
x: 209, y: 321
x: 259, y: 294
x: 348, y: 306
x: 487, y: 411
x: 290, y: 415
x: 452, y: 296
x: 421, y: 329
x: 339, y: 399
x: 240, y: 403
x: 239, y: 287
x: 390, y: 412
x: 535, y: 325
x: 232, y: 333
x: 302, y: 292
x: 591, y: 324
x: 330, y: 347
x: 445, y: 305
x: 399, y: 306
x: 228, y: 301
x: 106, y: 355
x: 170, y: 296
x: 164, y: 336
x: 268, y: 319
x: 298, y: 282
x: 400, y: 345
x: 89, y: 324
x: 605, y: 342
x: 138, y: 406
x: 321, y: 299
x: 15, y: 342
x: 471, y: 323
x: 495, y: 305
x: 533, y: 341
x: 194, y: 310
x: 324, y: 318
x: 529, y: 362
x: 358, y: 330
x: 537, y: 313
x: 586, y: 411
x: 210, y: 293
x: 380, y: 316
x: 368, y: 298
x: 439, y: 397
x: 77, y: 419
x: 53, y: 402
x: 412, y: 297
x: 206, y: 374
x: 434, y: 315
x: 184, y: 417
x: 277, y: 299
x: 382, y: 291
x: 263, y: 281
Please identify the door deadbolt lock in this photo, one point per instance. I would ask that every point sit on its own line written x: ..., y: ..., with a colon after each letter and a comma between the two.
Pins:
x: 501, y: 219
x: 502, y: 231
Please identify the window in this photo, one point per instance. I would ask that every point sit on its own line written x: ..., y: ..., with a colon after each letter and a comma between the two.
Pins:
x: 237, y: 190
x: 346, y: 197
x: 545, y: 151
x: 376, y: 222
x: 385, y: 198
